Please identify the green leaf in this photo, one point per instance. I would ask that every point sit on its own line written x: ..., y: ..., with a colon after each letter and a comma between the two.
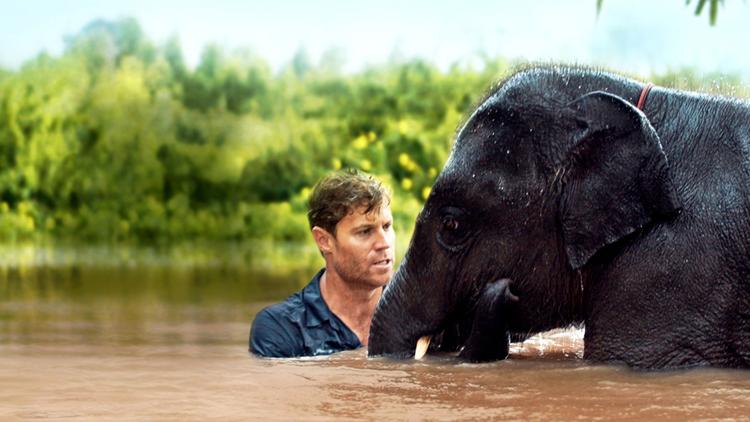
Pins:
x: 699, y: 9
x: 714, y: 11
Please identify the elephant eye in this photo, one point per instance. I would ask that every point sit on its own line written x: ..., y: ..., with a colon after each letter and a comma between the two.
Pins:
x: 453, y: 231
x: 450, y: 223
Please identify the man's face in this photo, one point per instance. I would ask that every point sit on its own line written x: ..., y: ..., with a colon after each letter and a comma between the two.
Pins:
x: 363, y: 247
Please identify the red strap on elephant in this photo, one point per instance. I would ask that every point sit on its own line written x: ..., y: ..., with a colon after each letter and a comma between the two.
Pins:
x: 644, y: 94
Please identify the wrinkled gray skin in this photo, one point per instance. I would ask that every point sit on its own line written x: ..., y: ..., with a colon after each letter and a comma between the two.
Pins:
x: 633, y: 223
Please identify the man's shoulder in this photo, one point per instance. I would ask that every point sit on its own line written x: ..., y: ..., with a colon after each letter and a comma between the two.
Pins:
x: 277, y: 329
x: 284, y: 313
x: 293, y: 307
x: 274, y: 332
x: 301, y: 325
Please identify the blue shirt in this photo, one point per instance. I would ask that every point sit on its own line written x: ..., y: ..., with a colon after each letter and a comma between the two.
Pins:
x: 302, y: 325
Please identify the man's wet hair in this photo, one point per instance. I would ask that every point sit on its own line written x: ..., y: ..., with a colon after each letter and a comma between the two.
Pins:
x: 341, y: 193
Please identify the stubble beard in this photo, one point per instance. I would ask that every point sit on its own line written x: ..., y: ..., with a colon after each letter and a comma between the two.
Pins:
x: 360, y: 277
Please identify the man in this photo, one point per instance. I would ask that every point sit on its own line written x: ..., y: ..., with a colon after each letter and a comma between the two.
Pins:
x: 351, y: 223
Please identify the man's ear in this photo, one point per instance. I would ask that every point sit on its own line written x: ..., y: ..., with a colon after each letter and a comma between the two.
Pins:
x: 323, y: 239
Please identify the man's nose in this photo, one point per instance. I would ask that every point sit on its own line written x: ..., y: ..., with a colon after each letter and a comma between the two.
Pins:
x: 382, y: 239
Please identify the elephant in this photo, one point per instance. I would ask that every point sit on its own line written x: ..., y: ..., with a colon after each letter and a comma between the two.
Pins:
x: 573, y: 196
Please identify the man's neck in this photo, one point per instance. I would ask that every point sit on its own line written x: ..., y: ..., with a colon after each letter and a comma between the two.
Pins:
x: 353, y: 304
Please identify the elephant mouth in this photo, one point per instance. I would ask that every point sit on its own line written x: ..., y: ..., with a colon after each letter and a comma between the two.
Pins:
x: 415, y: 345
x: 449, y: 338
x: 422, y: 330
x: 479, y: 332
x: 422, y: 345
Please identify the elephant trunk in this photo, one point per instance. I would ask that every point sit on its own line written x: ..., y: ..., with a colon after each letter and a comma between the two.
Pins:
x: 400, y: 319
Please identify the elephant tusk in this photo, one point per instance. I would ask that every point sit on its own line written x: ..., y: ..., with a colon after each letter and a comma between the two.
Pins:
x: 422, y: 344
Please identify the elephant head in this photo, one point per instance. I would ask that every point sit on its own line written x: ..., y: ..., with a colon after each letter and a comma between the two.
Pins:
x: 552, y: 168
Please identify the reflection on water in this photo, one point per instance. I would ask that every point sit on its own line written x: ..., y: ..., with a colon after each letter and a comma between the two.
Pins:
x: 193, y: 380
x: 165, y: 340
x: 199, y: 274
x: 135, y: 296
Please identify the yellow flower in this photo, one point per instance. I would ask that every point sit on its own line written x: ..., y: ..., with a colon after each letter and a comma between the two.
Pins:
x: 426, y: 192
x: 365, y: 165
x: 371, y: 136
x: 432, y: 172
x: 403, y: 160
x: 305, y: 192
x: 406, y: 183
x: 28, y: 222
x: 403, y: 127
x: 336, y: 163
x: 360, y: 142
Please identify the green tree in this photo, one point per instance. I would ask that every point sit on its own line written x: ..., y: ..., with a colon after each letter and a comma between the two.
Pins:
x: 118, y: 140
x: 699, y: 8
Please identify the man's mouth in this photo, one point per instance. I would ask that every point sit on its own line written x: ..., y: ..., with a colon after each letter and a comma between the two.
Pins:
x: 383, y: 262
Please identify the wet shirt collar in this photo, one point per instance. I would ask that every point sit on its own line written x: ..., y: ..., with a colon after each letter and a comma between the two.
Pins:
x: 317, y: 309
x: 324, y: 332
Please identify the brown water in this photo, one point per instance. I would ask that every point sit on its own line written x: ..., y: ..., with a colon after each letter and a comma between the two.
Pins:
x: 161, y: 343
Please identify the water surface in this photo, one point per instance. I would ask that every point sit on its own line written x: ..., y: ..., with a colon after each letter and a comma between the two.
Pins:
x: 165, y: 338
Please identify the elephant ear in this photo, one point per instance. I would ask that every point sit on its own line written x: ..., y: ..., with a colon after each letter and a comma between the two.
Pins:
x: 617, y: 179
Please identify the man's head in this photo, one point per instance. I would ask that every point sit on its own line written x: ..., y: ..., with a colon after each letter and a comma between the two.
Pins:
x: 350, y: 218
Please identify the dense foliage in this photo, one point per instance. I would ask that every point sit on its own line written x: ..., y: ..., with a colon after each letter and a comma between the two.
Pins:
x: 117, y: 139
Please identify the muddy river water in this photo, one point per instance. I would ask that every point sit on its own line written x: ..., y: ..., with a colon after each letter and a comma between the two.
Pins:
x: 162, y: 343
